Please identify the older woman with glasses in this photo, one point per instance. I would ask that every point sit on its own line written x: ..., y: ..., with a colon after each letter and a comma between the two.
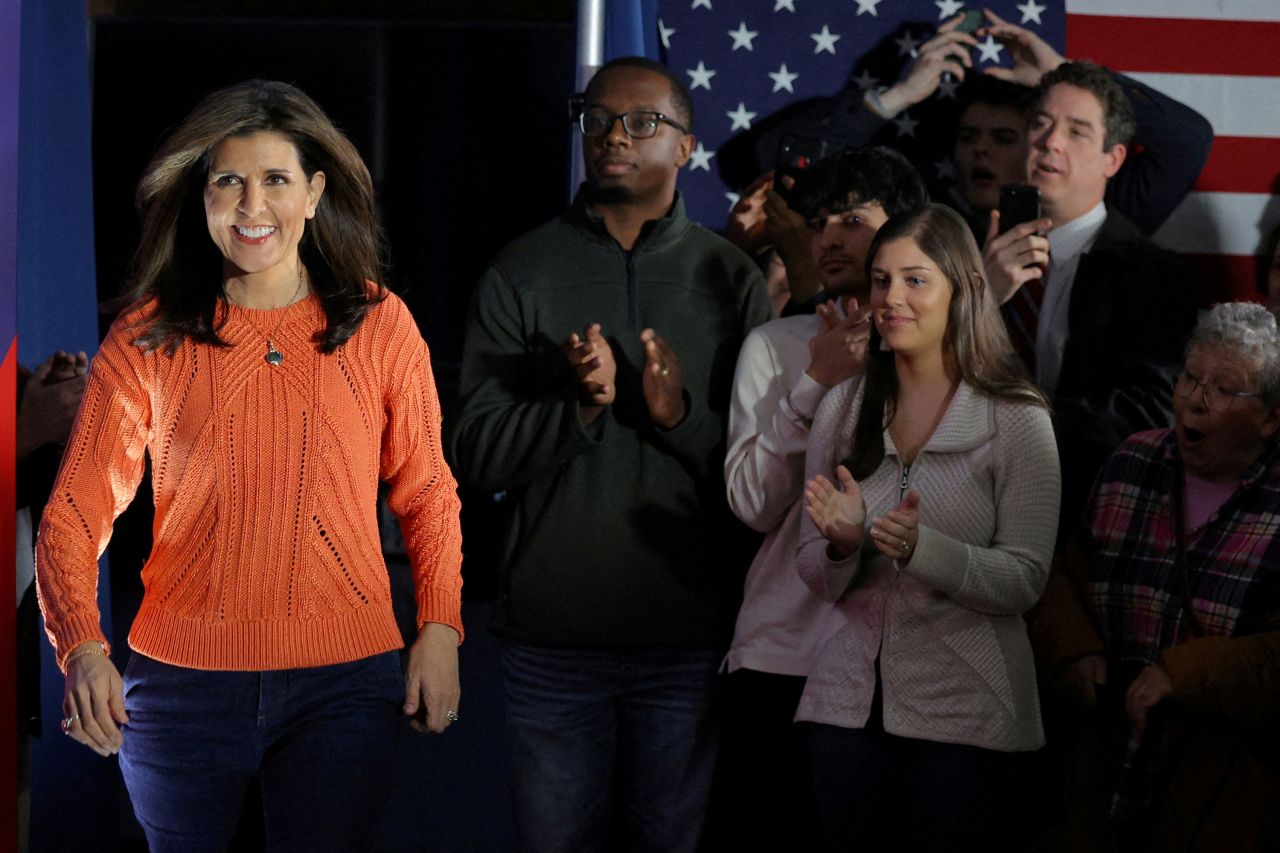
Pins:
x: 1160, y: 622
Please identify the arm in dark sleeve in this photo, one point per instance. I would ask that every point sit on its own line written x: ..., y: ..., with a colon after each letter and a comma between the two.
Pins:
x: 519, y: 415
x: 1168, y: 151
x: 1130, y: 323
x: 1233, y: 677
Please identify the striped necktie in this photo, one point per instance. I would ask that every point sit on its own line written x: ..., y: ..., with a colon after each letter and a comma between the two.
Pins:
x: 1022, y: 316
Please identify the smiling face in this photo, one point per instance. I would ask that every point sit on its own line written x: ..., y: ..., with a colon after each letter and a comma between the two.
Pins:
x: 1067, y: 159
x: 257, y: 200
x: 622, y: 170
x: 840, y: 245
x: 1220, y: 446
x: 991, y: 149
x: 910, y: 299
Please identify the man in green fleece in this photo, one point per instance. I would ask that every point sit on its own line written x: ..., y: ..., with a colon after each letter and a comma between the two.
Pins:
x: 596, y: 378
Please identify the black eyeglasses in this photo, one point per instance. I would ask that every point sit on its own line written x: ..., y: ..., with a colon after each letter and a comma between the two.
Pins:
x: 638, y: 124
x: 1216, y: 398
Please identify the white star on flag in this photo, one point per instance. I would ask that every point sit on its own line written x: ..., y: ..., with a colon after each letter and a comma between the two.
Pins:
x: 1031, y: 12
x: 700, y: 77
x: 906, y: 44
x: 665, y: 33
x: 790, y: 6
x: 782, y: 78
x: 945, y: 170
x: 990, y: 50
x: 700, y: 158
x: 706, y: 4
x: 734, y: 198
x: 947, y: 86
x: 906, y: 125
x: 741, y: 117
x: 867, y: 6
x: 742, y: 36
x: 947, y: 8
x: 866, y: 81
x: 825, y: 40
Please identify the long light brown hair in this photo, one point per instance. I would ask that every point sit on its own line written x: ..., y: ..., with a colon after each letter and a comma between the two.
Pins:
x: 177, y: 270
x: 975, y: 345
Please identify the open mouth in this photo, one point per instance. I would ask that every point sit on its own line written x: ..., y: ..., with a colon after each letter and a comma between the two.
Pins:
x: 979, y: 175
x: 1191, y: 435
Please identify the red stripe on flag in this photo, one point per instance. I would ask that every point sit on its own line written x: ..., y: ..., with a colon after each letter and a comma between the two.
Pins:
x: 8, y: 606
x: 1242, y: 164
x: 1176, y: 45
x: 1224, y: 278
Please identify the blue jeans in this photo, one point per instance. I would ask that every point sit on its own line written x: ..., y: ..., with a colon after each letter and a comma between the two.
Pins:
x: 586, y: 724
x: 321, y: 740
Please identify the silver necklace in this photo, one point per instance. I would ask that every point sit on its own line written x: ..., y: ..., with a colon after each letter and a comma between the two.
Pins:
x: 274, y: 357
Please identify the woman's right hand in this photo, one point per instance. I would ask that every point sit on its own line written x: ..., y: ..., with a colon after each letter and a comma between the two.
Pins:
x: 93, y: 703
x: 840, y: 514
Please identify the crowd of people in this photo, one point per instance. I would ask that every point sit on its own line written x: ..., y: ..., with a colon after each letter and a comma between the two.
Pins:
x: 1013, y: 583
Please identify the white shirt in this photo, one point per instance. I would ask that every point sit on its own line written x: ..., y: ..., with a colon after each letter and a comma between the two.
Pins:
x: 781, y: 622
x: 1067, y: 243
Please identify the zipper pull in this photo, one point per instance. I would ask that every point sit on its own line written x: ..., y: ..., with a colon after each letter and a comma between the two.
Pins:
x: 902, y: 487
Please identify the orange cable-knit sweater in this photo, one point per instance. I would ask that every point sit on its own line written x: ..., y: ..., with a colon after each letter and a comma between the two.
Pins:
x: 266, y: 550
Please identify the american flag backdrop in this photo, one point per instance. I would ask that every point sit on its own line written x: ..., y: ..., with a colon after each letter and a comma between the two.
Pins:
x: 1221, y: 57
x: 746, y: 59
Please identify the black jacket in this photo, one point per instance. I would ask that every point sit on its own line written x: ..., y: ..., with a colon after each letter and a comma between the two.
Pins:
x: 1130, y: 316
x: 619, y: 535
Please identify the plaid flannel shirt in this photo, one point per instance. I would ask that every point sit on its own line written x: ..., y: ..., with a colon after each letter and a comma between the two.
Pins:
x: 1233, y: 566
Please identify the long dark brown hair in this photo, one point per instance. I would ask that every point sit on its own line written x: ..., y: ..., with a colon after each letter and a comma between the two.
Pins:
x: 177, y: 271
x: 975, y: 346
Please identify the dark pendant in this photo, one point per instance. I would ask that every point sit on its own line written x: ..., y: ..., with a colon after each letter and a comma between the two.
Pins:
x: 274, y: 356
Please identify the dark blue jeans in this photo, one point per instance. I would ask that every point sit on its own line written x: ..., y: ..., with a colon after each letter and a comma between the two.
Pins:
x: 321, y: 741
x: 586, y: 724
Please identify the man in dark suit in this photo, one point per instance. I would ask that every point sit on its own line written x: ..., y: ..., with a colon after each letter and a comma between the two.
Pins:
x: 1100, y: 313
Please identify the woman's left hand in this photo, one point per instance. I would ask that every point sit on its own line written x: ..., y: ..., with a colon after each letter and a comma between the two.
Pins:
x: 896, y: 534
x: 431, y: 688
x: 1150, y: 688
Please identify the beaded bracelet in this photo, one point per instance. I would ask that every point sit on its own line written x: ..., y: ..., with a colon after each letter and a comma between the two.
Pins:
x: 100, y: 650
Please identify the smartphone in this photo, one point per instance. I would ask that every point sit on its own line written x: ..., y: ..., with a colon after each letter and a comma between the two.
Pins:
x: 1019, y: 203
x: 797, y: 154
x: 972, y: 20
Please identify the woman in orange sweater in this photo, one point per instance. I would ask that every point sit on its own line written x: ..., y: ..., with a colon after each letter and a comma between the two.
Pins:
x: 274, y: 383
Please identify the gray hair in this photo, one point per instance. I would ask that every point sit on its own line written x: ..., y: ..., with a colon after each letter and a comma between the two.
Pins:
x: 1249, y: 331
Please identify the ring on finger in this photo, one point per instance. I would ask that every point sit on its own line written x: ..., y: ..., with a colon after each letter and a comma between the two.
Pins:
x: 451, y: 716
x: 664, y: 370
x: 68, y: 722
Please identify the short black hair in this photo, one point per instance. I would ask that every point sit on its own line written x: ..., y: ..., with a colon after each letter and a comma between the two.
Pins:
x: 1118, y: 122
x: 679, y: 91
x: 985, y: 89
x: 859, y: 176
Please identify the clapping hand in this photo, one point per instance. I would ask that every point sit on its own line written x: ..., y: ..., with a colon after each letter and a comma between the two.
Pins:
x: 897, y: 533
x: 839, y: 350
x: 838, y: 513
x: 663, y: 381
x: 592, y: 361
